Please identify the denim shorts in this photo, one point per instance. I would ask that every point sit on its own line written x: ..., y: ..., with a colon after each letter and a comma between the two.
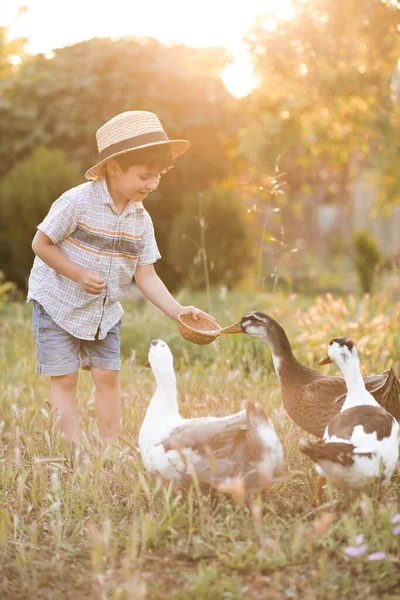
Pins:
x: 60, y: 353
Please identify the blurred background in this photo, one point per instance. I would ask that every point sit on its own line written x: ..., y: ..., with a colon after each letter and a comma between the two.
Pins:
x: 292, y: 108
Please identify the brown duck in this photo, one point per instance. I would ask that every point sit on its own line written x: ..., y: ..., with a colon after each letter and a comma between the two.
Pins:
x: 311, y: 398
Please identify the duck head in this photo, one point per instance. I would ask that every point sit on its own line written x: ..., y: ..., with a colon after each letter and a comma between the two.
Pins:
x: 258, y: 324
x: 160, y: 357
x: 341, y: 351
x: 253, y: 323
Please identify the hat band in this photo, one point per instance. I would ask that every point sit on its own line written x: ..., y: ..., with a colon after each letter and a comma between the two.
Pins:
x: 134, y: 142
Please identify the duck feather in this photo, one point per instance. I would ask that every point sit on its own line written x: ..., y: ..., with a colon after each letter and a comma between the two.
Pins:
x: 218, y: 434
x: 360, y: 444
x: 215, y: 449
x: 370, y: 418
x: 310, y: 397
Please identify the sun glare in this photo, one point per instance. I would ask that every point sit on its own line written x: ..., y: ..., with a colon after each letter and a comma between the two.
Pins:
x: 209, y: 23
x: 238, y: 75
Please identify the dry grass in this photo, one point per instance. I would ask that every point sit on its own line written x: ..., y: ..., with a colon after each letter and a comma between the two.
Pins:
x: 110, y: 531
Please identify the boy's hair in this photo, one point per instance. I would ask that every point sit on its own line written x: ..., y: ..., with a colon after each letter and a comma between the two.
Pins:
x: 158, y: 158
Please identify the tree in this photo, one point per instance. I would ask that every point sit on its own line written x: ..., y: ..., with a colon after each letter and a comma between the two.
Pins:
x: 26, y: 194
x: 324, y: 106
x: 209, y: 242
x: 59, y: 103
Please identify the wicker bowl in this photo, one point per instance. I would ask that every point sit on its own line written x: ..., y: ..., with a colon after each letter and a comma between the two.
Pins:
x: 198, y: 331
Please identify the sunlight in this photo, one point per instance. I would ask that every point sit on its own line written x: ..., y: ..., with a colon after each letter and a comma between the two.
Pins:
x: 209, y: 23
x: 238, y: 75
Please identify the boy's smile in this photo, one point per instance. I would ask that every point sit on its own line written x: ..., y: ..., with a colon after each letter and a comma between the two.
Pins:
x: 134, y: 184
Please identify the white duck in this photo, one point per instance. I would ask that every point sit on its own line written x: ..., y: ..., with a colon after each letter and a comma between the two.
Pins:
x: 217, y: 450
x: 360, y: 444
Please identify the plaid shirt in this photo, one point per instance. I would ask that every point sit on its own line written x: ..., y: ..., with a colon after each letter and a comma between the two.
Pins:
x: 87, y: 227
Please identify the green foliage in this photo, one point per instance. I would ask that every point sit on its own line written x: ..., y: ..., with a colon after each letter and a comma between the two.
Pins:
x: 209, y: 242
x: 26, y: 194
x: 208, y: 584
x: 366, y: 259
x: 324, y: 98
x: 60, y: 102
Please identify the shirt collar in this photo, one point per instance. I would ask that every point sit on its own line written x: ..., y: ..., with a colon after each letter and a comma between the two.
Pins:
x: 107, y: 199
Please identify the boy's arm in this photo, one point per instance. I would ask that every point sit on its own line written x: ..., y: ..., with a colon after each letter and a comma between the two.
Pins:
x: 50, y: 254
x: 155, y: 290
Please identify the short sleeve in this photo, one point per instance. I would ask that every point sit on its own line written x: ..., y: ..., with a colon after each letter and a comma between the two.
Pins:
x: 149, y: 252
x: 61, y: 220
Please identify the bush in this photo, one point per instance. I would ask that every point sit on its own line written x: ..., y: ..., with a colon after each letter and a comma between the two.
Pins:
x: 209, y: 241
x: 366, y: 260
x: 26, y: 194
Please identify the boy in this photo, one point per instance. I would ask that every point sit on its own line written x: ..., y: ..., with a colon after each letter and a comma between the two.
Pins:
x: 94, y: 240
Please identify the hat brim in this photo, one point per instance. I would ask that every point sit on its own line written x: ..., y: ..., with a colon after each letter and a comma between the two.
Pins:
x: 178, y: 147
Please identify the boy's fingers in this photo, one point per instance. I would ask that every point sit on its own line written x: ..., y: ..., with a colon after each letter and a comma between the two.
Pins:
x: 94, y: 277
x: 97, y: 279
x: 95, y: 288
x: 202, y: 312
x: 196, y: 312
x: 207, y: 315
x: 193, y: 311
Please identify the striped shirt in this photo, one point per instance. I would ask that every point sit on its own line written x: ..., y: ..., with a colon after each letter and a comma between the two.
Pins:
x: 87, y: 227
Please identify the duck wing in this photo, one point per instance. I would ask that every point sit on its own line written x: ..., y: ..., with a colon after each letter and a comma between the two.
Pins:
x: 344, y: 439
x: 215, y: 437
x: 386, y: 390
x: 373, y: 419
x: 224, y: 449
x: 336, y: 452
x: 321, y: 399
x: 373, y: 383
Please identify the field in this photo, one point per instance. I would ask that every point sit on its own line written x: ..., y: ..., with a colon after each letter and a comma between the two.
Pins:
x: 110, y: 531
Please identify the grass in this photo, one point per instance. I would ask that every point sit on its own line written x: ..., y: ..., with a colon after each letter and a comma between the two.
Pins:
x: 110, y: 531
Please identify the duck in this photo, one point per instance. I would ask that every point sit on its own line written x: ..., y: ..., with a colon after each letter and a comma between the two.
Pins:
x: 219, y: 451
x: 311, y: 398
x: 360, y: 445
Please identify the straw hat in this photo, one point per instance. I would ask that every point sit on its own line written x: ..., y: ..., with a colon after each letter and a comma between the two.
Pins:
x: 128, y: 131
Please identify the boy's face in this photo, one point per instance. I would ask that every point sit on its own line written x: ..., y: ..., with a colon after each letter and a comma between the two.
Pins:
x: 135, y: 183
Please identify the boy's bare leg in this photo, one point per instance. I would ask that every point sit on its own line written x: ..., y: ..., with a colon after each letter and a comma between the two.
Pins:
x: 63, y: 405
x: 108, y: 402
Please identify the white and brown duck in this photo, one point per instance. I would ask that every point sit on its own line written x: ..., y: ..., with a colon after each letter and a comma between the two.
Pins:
x: 219, y: 450
x: 310, y: 397
x: 360, y: 445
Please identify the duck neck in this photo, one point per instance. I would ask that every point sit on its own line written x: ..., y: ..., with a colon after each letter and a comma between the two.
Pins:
x: 164, y: 403
x: 357, y: 394
x: 281, y: 350
x: 278, y: 341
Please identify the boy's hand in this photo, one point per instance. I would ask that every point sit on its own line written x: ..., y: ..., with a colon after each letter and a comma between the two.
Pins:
x: 195, y: 312
x: 91, y: 282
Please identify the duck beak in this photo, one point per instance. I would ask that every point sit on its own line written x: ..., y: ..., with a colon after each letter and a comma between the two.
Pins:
x: 232, y: 328
x: 147, y: 364
x: 326, y: 360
